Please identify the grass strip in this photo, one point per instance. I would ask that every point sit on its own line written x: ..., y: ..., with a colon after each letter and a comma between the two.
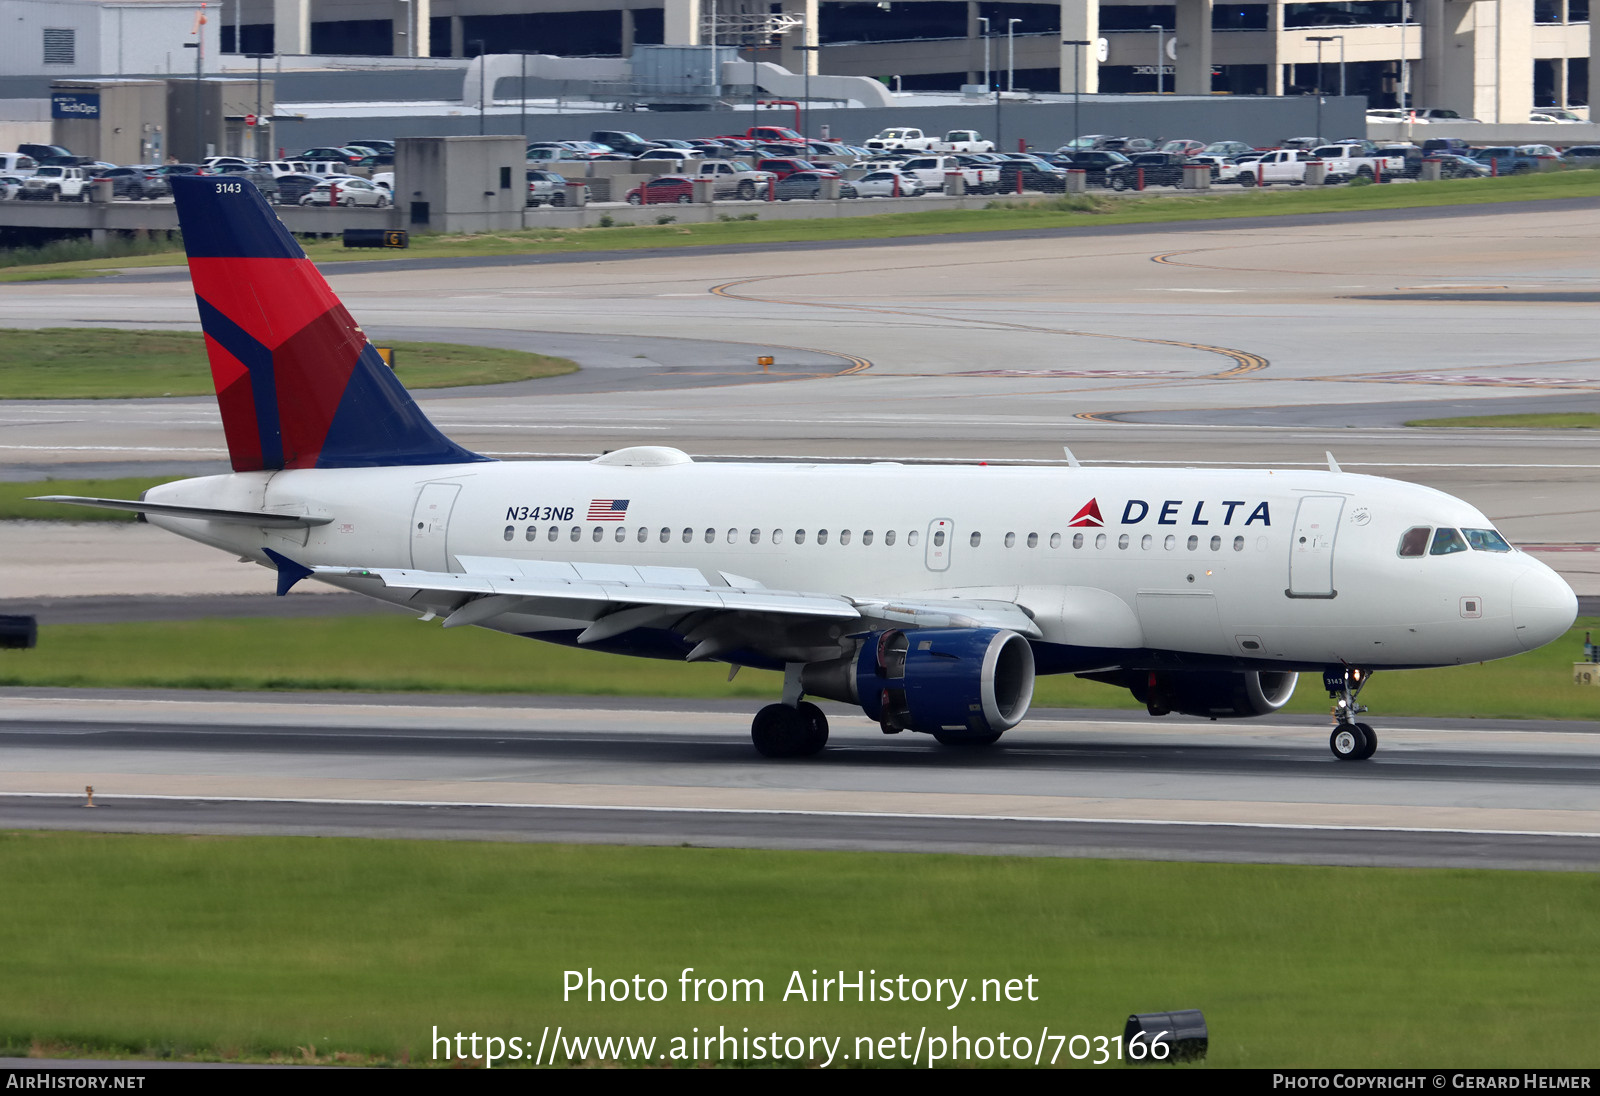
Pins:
x: 396, y: 653
x: 1000, y: 215
x: 336, y: 950
x: 107, y: 363
x: 14, y: 504
x: 1575, y: 420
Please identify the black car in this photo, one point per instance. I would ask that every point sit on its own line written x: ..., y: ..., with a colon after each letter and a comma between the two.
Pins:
x: 1035, y: 176
x: 1094, y: 164
x: 291, y: 188
x: 808, y: 184
x: 1148, y: 169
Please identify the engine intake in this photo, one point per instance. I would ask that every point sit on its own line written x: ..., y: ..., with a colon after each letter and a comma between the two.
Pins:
x: 952, y: 682
x: 1213, y: 695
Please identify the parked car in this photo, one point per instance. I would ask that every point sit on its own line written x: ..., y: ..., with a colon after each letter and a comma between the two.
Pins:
x: 376, y: 145
x: 17, y: 163
x: 1094, y: 163
x: 43, y: 152
x: 1226, y: 148
x: 1559, y: 115
x: 1158, y: 169
x: 889, y: 184
x: 345, y: 191
x: 56, y: 184
x: 215, y: 162
x: 1438, y: 114
x: 294, y: 186
x: 1183, y: 146
x: 128, y: 182
x: 786, y: 166
x: 10, y: 187
x: 734, y: 179
x: 1507, y: 160
x: 808, y: 184
x: 546, y: 188
x: 663, y: 189
x: 1582, y: 155
x: 1453, y: 166
x: 1039, y: 176
x: 347, y: 156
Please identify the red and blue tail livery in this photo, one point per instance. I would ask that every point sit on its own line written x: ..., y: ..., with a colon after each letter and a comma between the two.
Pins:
x: 298, y: 382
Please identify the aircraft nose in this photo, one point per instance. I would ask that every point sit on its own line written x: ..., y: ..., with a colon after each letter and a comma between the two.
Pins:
x: 1543, y: 607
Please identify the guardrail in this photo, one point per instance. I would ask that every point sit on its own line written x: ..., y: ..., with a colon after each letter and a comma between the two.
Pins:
x: 162, y: 216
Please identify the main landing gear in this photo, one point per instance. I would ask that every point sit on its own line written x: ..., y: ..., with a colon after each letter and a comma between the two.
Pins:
x: 1350, y: 741
x: 794, y: 728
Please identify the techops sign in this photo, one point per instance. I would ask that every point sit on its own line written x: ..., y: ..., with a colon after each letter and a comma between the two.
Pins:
x: 75, y: 104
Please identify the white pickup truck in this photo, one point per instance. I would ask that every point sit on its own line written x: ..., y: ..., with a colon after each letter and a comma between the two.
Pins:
x: 1284, y: 165
x: 930, y: 171
x: 1346, y: 162
x: 56, y: 184
x: 962, y: 140
x: 896, y: 139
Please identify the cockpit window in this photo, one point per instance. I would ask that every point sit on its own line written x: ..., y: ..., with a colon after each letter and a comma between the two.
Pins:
x: 1486, y: 540
x: 1446, y: 541
x: 1415, y: 541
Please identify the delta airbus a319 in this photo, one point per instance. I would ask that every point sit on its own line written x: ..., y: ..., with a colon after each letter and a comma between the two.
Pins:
x: 929, y: 597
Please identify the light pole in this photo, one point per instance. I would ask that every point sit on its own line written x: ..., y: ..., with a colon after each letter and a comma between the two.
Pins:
x: 1403, y: 70
x: 1011, y: 54
x: 1161, y: 54
x: 258, y: 58
x: 1077, y: 86
x: 805, y: 123
x: 1340, y: 37
x: 1319, y: 39
x: 985, y: 23
x: 483, y: 74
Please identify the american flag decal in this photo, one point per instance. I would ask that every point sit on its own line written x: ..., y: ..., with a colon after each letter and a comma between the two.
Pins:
x: 608, y: 509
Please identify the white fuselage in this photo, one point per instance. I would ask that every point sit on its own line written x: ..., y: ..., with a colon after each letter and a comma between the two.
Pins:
x: 1295, y: 568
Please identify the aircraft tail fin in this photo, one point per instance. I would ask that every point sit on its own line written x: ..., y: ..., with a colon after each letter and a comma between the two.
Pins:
x: 298, y: 383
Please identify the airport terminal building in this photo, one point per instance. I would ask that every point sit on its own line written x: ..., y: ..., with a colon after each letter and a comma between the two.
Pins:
x: 1490, y: 59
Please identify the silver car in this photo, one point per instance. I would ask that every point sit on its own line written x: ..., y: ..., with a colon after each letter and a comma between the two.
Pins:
x: 350, y: 192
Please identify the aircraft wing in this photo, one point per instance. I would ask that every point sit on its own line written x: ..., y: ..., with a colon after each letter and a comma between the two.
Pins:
x: 611, y: 599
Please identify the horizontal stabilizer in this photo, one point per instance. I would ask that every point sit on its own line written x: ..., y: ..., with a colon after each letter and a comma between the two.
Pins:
x: 258, y: 518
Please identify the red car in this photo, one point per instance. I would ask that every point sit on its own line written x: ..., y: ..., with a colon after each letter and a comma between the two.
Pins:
x: 783, y: 168
x: 663, y: 188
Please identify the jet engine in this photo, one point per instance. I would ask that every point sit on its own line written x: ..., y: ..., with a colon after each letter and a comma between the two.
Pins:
x: 1217, y: 695
x: 957, y: 683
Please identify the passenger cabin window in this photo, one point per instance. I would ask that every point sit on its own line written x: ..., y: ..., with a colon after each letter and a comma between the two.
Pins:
x: 912, y: 538
x: 688, y: 536
x: 554, y: 534
x: 844, y: 536
x: 622, y: 534
x: 1077, y: 540
x: 1415, y: 541
x: 755, y: 536
x: 511, y: 531
x: 938, y: 539
x: 1011, y: 540
x: 1033, y: 540
x: 888, y: 538
x: 1446, y: 542
x: 599, y: 533
x: 532, y: 533
x: 644, y: 534
x: 1055, y: 540
x: 1486, y: 540
x: 799, y: 536
x: 666, y: 534
x: 577, y: 531
x: 866, y: 537
x: 822, y: 536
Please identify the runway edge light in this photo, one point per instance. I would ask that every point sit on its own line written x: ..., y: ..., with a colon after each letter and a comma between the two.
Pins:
x: 1183, y: 1032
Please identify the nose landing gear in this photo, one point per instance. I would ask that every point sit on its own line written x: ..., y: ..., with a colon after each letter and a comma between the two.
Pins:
x: 1350, y: 741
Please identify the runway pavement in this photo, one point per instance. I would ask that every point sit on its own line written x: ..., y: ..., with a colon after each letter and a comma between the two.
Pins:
x: 1497, y: 794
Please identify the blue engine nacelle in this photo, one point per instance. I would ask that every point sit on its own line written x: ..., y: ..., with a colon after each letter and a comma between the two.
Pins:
x: 953, y: 682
